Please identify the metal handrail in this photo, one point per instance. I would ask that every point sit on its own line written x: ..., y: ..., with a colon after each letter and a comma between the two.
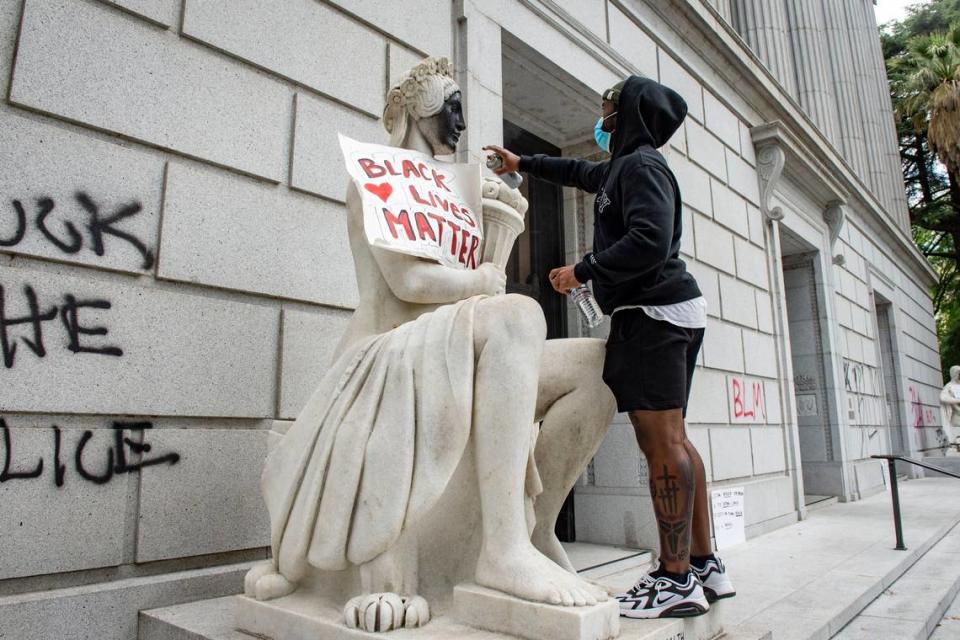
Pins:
x: 895, y: 493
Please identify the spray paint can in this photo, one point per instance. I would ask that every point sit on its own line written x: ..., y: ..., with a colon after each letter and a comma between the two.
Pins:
x: 512, y: 179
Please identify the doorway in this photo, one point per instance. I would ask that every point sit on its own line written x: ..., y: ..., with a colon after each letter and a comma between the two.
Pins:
x: 540, y: 247
x: 885, y: 338
x: 803, y: 295
x: 545, y: 110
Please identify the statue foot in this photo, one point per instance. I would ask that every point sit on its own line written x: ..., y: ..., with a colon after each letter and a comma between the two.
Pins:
x: 256, y: 572
x: 264, y: 583
x: 377, y: 612
x: 526, y: 573
x: 548, y: 544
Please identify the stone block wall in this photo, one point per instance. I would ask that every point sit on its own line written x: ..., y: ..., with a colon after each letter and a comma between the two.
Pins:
x: 174, y: 273
x: 174, y: 276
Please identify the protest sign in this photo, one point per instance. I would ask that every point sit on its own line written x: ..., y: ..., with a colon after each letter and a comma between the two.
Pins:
x: 728, y: 520
x: 416, y: 205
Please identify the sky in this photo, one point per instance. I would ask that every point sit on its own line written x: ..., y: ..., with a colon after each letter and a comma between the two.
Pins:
x: 887, y: 10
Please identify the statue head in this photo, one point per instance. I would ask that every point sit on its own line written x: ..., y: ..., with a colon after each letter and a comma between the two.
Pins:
x: 955, y: 373
x: 429, y: 96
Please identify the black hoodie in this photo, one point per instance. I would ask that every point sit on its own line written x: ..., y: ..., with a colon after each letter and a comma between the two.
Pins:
x: 637, y: 211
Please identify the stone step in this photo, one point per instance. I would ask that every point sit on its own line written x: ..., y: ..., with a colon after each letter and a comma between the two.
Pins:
x: 614, y: 567
x: 808, y: 581
x: 213, y: 620
x: 947, y: 463
x: 596, y: 561
x: 814, y: 503
x: 202, y: 620
x: 949, y: 627
x: 912, y: 607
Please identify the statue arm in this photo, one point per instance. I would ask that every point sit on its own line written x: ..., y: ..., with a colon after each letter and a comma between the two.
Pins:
x: 946, y: 397
x: 419, y: 281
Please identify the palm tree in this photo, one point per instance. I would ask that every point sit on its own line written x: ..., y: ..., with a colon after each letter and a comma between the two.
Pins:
x: 929, y: 77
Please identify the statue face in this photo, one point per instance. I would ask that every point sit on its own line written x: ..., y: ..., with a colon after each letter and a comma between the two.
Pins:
x: 955, y: 373
x: 442, y: 130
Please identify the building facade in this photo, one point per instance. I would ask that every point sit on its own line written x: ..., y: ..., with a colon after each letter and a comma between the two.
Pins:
x: 174, y: 270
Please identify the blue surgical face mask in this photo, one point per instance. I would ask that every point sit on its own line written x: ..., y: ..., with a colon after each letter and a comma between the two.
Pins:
x: 602, y: 137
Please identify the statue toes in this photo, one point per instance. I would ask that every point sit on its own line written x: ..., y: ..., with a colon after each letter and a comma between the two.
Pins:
x: 351, y: 612
x: 416, y: 612
x: 374, y: 612
x: 273, y: 585
x: 256, y: 572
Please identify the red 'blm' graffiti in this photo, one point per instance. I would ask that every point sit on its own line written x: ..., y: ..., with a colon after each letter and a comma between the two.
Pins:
x: 747, y: 400
x: 921, y: 416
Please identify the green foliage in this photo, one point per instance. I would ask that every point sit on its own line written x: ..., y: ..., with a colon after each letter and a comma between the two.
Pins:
x: 923, y: 65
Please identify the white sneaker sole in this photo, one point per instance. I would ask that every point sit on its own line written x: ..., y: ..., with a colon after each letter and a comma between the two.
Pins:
x: 720, y: 589
x: 713, y: 596
x: 686, y: 609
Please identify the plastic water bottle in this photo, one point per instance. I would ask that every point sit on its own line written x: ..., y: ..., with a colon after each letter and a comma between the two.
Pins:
x: 512, y: 179
x: 583, y: 298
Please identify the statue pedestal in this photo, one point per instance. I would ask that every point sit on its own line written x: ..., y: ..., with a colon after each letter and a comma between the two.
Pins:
x: 487, y: 609
x: 299, y: 617
x: 479, y: 614
x: 305, y: 616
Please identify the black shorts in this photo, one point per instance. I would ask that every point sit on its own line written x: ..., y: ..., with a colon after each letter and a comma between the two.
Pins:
x: 650, y: 363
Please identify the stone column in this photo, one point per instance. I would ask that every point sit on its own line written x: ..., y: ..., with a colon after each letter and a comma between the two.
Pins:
x: 724, y: 9
x: 861, y: 27
x: 888, y: 129
x: 763, y: 24
x: 811, y: 59
x: 850, y: 119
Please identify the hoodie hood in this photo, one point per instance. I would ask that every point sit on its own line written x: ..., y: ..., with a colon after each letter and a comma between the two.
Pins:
x: 648, y: 113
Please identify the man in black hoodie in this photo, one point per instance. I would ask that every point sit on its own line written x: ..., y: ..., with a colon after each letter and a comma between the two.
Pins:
x: 658, y: 316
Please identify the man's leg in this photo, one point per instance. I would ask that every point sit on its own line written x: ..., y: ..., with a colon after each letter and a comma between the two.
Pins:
x: 661, y: 437
x: 700, y: 544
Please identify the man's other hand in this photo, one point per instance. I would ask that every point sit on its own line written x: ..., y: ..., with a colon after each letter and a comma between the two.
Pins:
x: 511, y: 161
x: 563, y: 280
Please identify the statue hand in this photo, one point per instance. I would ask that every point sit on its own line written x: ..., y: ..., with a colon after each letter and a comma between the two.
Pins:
x: 493, y: 279
x: 495, y: 189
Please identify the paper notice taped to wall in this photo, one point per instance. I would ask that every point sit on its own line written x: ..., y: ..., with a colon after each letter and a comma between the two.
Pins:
x: 729, y: 525
x: 416, y: 205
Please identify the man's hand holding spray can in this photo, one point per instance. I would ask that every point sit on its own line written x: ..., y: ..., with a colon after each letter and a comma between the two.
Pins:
x: 581, y: 295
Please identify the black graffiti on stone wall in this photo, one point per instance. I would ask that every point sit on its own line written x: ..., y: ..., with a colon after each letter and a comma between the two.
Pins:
x: 70, y: 240
x: 32, y: 321
x: 123, y: 455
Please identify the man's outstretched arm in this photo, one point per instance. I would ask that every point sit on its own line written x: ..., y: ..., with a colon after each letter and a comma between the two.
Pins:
x: 570, y: 172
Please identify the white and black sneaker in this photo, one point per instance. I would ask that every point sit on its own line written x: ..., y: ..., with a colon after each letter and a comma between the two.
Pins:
x: 712, y: 574
x: 660, y: 596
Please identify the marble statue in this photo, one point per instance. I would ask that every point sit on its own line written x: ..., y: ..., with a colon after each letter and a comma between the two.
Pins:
x: 950, y: 405
x: 442, y: 443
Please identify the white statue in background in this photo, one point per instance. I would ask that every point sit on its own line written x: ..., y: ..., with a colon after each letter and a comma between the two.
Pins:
x: 950, y: 405
x: 410, y: 467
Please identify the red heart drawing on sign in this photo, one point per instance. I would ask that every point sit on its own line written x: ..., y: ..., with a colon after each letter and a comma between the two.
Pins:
x: 382, y: 190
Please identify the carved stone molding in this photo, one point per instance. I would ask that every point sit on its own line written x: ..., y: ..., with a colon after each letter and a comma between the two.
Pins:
x: 780, y: 154
x: 770, y: 161
x: 835, y: 214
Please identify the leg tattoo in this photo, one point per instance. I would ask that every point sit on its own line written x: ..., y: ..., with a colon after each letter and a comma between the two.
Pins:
x: 664, y: 489
x: 673, y: 492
